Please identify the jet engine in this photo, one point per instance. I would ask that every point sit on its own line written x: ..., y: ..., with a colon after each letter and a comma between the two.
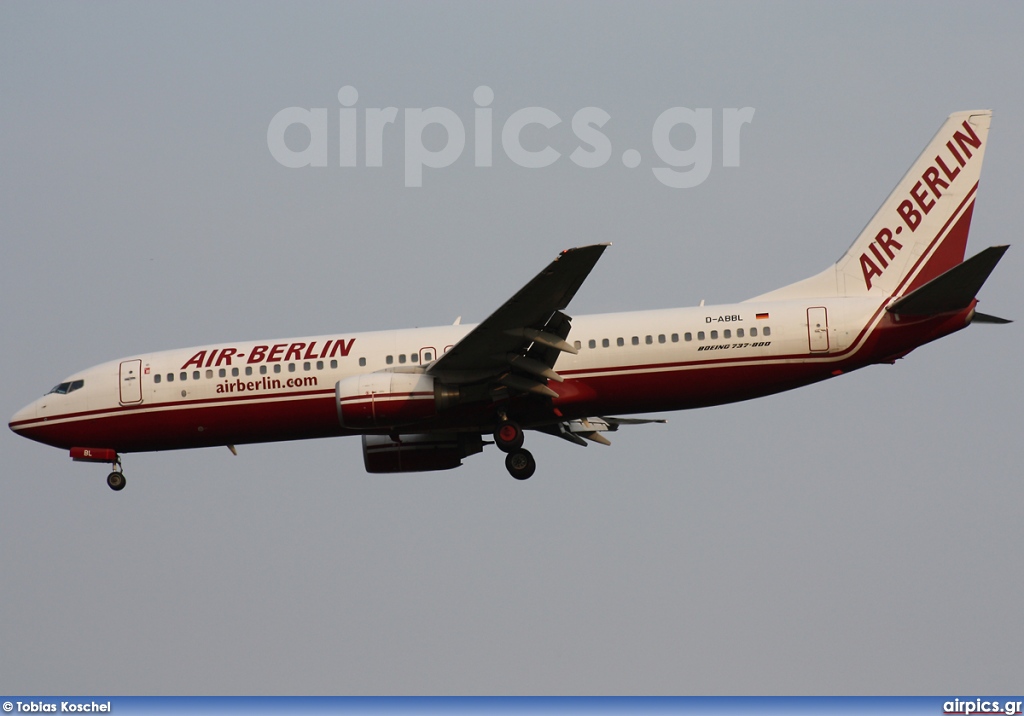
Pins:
x: 418, y: 453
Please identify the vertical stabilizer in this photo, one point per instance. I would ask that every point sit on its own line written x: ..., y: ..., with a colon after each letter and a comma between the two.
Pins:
x: 921, y: 229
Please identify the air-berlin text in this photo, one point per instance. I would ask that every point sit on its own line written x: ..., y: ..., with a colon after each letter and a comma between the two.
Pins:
x: 921, y: 198
x: 276, y: 353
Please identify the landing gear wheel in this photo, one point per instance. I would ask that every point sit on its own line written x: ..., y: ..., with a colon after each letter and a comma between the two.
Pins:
x: 116, y: 481
x: 520, y: 464
x: 508, y: 436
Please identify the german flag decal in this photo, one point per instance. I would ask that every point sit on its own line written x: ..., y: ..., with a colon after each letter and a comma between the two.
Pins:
x: 762, y: 316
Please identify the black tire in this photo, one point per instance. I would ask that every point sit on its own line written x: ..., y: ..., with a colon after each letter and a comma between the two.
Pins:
x: 520, y: 464
x: 116, y: 481
x: 508, y: 436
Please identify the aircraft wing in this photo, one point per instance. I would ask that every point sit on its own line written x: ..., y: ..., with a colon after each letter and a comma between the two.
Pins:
x: 526, y: 333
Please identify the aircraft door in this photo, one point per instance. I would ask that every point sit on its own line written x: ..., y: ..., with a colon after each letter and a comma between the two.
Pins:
x: 817, y: 329
x: 131, y: 382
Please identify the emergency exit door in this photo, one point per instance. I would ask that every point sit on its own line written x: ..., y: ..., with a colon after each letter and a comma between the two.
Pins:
x: 131, y: 382
x: 817, y: 329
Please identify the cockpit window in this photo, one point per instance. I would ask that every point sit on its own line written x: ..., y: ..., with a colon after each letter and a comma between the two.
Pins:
x: 69, y: 387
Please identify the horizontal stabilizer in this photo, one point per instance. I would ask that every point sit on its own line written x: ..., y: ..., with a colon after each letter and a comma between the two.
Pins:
x: 986, y: 318
x: 953, y: 290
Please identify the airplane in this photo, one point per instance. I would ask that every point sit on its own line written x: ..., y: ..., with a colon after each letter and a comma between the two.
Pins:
x: 424, y: 399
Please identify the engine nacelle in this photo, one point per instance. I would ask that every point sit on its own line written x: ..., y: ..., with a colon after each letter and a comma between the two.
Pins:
x: 384, y: 400
x: 418, y: 453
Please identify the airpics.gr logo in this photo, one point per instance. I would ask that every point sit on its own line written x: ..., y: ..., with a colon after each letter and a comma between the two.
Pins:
x: 979, y: 706
x: 682, y: 168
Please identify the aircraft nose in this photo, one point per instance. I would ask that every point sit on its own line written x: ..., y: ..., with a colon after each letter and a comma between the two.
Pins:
x: 24, y: 415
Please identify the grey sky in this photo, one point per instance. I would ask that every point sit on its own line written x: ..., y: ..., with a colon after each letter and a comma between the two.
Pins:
x: 858, y: 536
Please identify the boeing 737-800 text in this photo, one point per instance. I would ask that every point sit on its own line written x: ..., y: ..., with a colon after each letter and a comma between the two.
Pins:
x: 426, y: 398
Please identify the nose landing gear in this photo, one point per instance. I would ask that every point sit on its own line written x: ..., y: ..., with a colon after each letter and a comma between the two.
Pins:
x: 116, y: 481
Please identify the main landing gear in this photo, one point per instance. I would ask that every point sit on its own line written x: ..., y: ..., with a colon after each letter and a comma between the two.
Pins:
x: 508, y: 436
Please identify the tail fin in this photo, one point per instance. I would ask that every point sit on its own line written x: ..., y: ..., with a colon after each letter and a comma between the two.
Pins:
x: 921, y: 230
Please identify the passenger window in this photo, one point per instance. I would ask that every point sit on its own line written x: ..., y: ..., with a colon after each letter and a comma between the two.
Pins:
x: 620, y: 342
x: 714, y: 335
x: 389, y: 360
x: 263, y: 370
x: 362, y: 362
x: 319, y: 365
x: 753, y: 333
x: 401, y: 358
x: 334, y: 363
x: 636, y: 340
x: 577, y: 344
x: 184, y: 375
x: 170, y: 377
x: 291, y: 367
x: 248, y: 370
x: 688, y: 336
x: 675, y: 338
x: 604, y: 343
x: 209, y: 373
x: 661, y: 338
x: 307, y: 366
x: 234, y: 373
x: 156, y: 378
x: 428, y: 356
x: 592, y: 343
x: 739, y: 333
x: 649, y: 340
x: 223, y: 372
x: 700, y: 335
x: 414, y: 357
x: 277, y: 367
x: 767, y: 331
x: 195, y: 375
x: 726, y: 333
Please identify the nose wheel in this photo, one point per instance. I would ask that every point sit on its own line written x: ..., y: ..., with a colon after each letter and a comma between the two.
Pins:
x: 116, y: 481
